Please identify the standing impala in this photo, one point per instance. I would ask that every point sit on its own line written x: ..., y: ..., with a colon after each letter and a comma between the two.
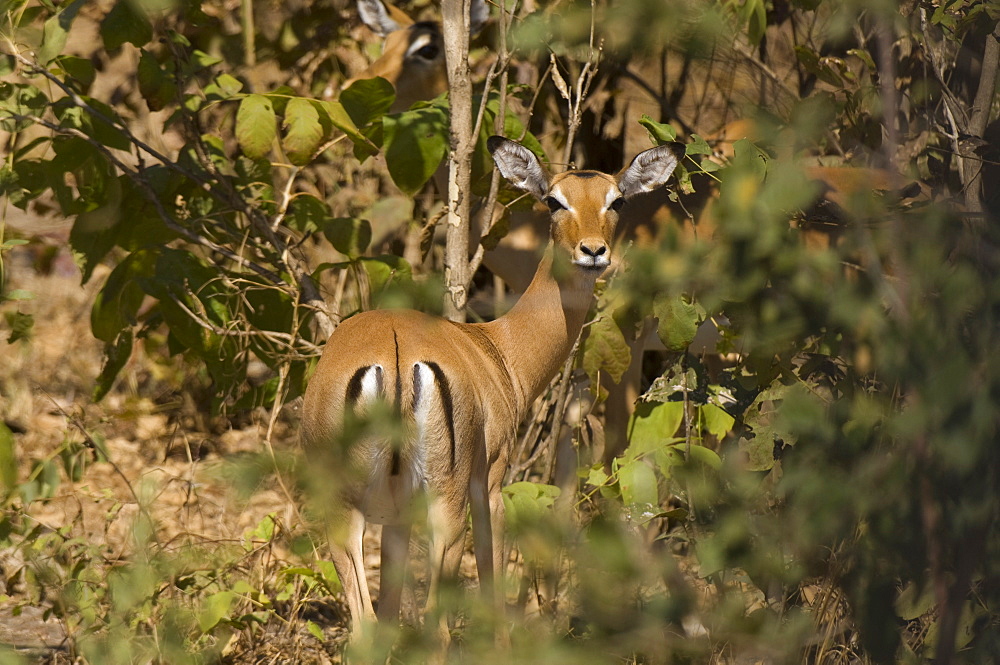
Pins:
x: 462, y: 390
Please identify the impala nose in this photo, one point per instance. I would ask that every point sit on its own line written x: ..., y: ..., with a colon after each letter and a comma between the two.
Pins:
x: 593, y: 255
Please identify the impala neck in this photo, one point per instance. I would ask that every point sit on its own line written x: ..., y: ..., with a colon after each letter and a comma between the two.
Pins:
x: 537, y: 335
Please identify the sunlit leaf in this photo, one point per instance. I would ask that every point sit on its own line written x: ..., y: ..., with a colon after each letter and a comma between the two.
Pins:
x: 654, y: 424
x: 256, y: 126
x: 660, y: 133
x: 56, y: 30
x: 677, y: 322
x: 214, y: 609
x: 303, y: 131
x: 605, y: 350
x: 716, y: 421
x: 638, y: 484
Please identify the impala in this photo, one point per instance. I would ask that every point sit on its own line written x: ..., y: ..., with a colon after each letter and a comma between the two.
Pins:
x: 461, y: 389
x: 412, y: 57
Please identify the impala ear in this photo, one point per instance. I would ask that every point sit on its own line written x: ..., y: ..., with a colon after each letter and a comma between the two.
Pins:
x: 519, y: 166
x: 377, y: 16
x: 650, y: 169
x: 479, y: 14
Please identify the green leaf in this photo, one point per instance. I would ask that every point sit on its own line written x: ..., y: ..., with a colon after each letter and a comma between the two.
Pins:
x: 100, y: 122
x: 303, y: 131
x: 605, y: 350
x: 126, y: 22
x: 256, y: 126
x: 677, y: 322
x: 94, y: 232
x: 214, y: 609
x: 597, y: 476
x: 915, y: 601
x: 638, y: 484
x: 367, y: 100
x: 307, y: 214
x: 337, y: 115
x: 8, y: 459
x: 348, y: 235
x: 415, y: 143
x: 716, y: 421
x: 654, y: 424
x: 78, y: 70
x: 116, y: 355
x: 117, y: 303
x: 756, y: 15
x: 156, y: 87
x: 382, y: 270
x: 660, y: 133
x: 21, y: 326
x: 708, y: 457
x: 315, y: 631
x: 56, y: 30
x: 20, y: 99
x: 697, y: 146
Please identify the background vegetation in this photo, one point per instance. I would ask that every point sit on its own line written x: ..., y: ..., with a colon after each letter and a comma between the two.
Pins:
x: 817, y: 484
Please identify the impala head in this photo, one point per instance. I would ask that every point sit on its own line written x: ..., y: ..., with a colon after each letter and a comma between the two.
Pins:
x: 584, y: 205
x: 413, y: 52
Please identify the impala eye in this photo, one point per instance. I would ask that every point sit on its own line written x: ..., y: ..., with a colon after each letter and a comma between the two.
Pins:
x: 553, y: 204
x: 617, y: 204
x: 429, y: 52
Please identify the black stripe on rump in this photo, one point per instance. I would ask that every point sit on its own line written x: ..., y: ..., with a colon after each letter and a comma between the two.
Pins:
x: 353, y: 393
x: 447, y: 402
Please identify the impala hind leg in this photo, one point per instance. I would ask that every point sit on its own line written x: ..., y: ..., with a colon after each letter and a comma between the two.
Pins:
x: 446, y: 521
x: 395, y: 552
x: 346, y: 549
x: 488, y: 520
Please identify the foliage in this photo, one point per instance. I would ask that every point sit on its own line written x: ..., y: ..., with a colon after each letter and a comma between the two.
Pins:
x: 818, y: 483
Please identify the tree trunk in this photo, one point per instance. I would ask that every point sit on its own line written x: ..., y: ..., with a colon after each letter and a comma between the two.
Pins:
x: 455, y: 22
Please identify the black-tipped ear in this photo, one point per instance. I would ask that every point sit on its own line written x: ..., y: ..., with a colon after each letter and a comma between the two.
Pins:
x: 650, y: 169
x: 376, y: 16
x: 519, y: 166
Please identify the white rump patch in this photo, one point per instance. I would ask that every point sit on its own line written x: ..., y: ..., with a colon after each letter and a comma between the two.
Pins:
x: 371, y: 384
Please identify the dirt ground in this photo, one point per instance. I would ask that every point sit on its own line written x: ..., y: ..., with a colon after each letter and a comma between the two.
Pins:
x: 154, y: 441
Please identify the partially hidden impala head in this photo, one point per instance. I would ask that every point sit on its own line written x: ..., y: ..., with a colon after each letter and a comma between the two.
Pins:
x: 412, y: 57
x: 584, y: 205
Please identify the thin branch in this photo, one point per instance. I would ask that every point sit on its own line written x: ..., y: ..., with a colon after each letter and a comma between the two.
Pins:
x: 288, y: 340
